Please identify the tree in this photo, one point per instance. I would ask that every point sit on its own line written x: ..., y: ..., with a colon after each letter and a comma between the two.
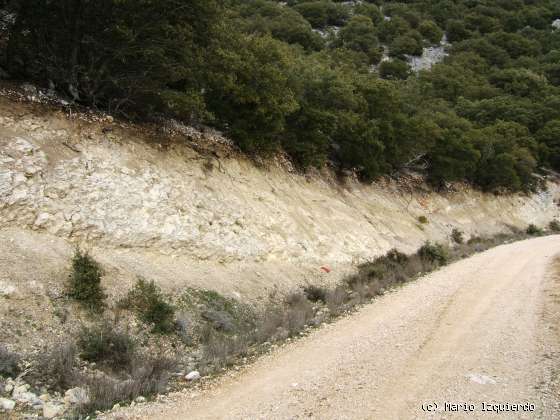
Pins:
x: 283, y: 23
x: 519, y: 82
x: 325, y: 93
x: 457, y: 31
x: 431, y: 31
x: 394, y: 69
x: 507, y: 157
x: 369, y: 10
x: 315, y: 12
x: 408, y: 44
x: 252, y: 91
x: 390, y: 29
x: 505, y: 108
x: 453, y: 158
x: 121, y: 55
x: 549, y: 137
x: 359, y: 35
x: 516, y: 45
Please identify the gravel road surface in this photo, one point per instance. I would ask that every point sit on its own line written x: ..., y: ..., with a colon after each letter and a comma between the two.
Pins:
x: 481, y: 331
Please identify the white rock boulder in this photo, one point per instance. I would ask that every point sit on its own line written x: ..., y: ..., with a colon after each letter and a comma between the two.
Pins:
x: 7, y: 404
x: 193, y: 376
x: 51, y: 410
x: 76, y: 396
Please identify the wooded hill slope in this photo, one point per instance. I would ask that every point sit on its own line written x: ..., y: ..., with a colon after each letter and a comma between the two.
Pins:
x: 328, y: 82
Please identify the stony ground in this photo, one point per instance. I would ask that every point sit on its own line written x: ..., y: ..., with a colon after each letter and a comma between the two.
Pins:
x: 483, y: 330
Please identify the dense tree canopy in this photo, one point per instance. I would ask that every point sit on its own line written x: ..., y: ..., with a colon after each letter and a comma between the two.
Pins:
x: 326, y: 81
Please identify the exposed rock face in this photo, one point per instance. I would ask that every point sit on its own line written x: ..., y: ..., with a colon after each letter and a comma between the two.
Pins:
x: 430, y: 56
x: 111, y: 189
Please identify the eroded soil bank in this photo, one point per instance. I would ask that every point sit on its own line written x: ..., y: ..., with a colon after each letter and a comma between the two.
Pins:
x: 187, y: 210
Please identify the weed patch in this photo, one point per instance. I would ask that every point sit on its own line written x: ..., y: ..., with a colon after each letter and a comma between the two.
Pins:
x: 554, y: 226
x: 57, y: 366
x: 148, y: 375
x: 457, y: 236
x: 9, y: 363
x: 423, y: 220
x: 106, y: 345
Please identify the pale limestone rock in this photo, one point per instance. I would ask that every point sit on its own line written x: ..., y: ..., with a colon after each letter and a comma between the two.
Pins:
x: 51, y: 410
x: 193, y: 376
x: 7, y: 404
x: 76, y: 396
x: 7, y: 289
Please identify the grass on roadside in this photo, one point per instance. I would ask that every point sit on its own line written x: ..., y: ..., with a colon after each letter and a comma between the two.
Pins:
x: 223, y: 329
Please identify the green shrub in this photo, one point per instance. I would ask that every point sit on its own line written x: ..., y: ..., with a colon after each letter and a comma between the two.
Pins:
x: 396, y: 256
x: 434, y: 253
x: 431, y: 31
x: 457, y: 236
x: 105, y: 345
x: 423, y: 220
x: 315, y: 293
x: 224, y: 314
x: 533, y: 230
x: 406, y: 44
x: 394, y: 69
x: 554, y: 226
x: 147, y: 300
x: 85, y: 281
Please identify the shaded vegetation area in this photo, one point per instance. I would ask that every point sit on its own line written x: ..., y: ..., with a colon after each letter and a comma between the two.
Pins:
x: 298, y: 77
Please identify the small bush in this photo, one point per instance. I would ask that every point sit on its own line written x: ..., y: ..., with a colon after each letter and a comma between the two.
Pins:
x: 297, y: 313
x: 222, y: 313
x: 105, y: 345
x: 147, y: 300
x: 336, y: 299
x: 533, y: 230
x: 185, y: 329
x: 269, y: 323
x: 221, y: 350
x: 9, y: 363
x: 315, y: 293
x: 57, y: 366
x: 423, y: 220
x: 457, y: 236
x: 149, y: 375
x: 220, y: 320
x: 85, y: 281
x: 434, y: 253
x: 554, y: 226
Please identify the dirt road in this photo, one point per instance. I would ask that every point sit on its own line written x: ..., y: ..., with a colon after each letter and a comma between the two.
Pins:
x: 483, y: 330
